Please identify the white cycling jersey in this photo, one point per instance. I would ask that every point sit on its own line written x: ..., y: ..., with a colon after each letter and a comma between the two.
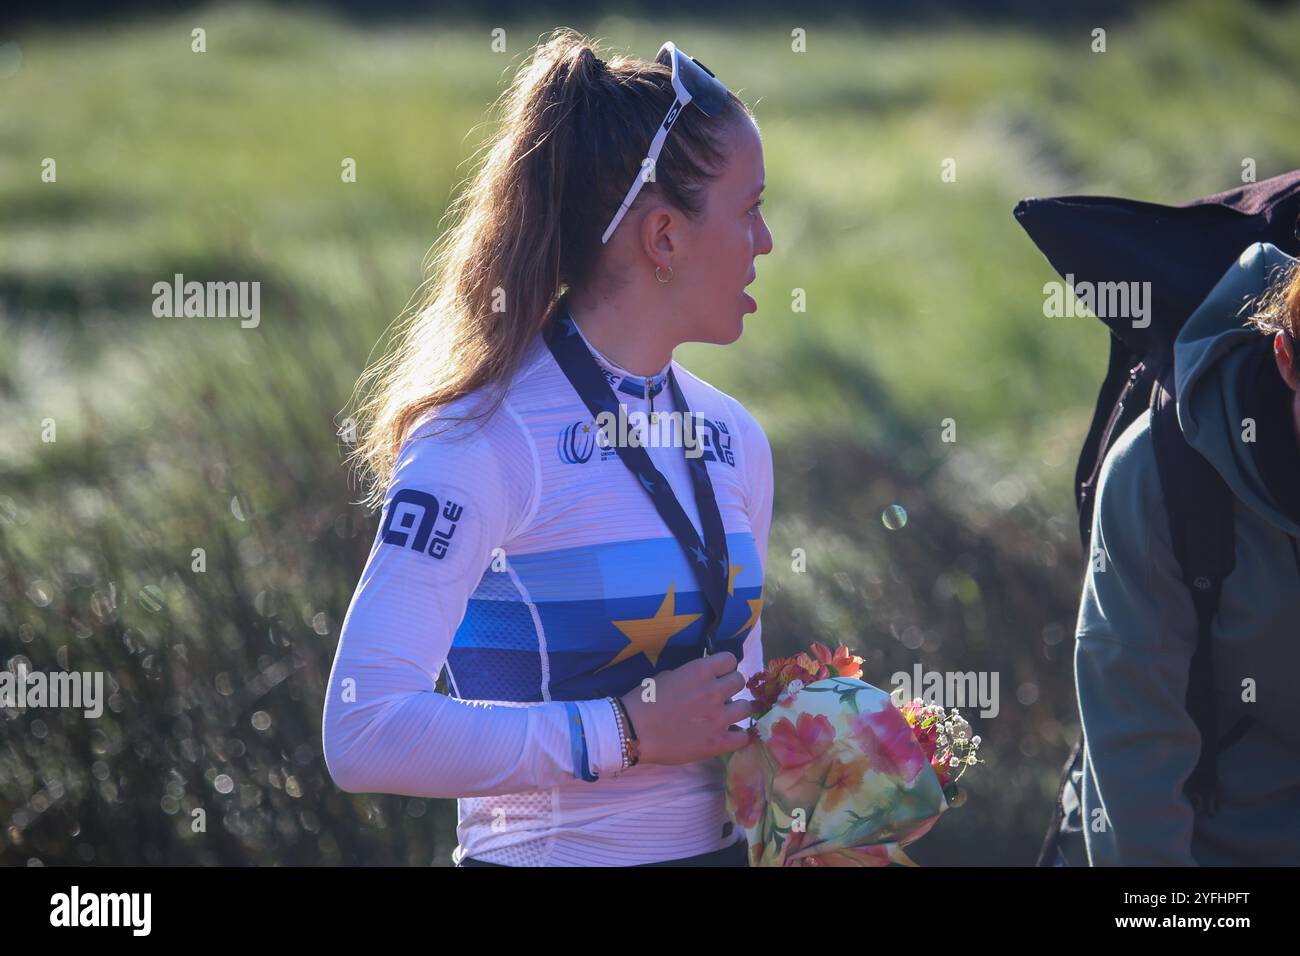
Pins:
x: 527, y: 560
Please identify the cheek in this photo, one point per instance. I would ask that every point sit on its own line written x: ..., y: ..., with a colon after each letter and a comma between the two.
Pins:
x: 737, y: 247
x: 726, y: 259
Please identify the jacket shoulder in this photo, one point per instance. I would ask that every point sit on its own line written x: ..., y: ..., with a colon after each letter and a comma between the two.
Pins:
x: 1130, y: 530
x: 1130, y: 474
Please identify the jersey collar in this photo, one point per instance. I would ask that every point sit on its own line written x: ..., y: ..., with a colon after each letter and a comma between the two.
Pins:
x: 619, y: 378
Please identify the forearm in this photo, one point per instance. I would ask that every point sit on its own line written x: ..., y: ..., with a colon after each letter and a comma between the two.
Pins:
x: 424, y: 744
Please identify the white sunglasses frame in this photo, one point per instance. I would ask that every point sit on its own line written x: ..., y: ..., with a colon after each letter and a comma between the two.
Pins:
x: 683, y: 99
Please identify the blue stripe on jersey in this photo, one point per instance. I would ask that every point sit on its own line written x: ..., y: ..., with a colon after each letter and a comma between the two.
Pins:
x: 601, y: 646
x: 620, y: 568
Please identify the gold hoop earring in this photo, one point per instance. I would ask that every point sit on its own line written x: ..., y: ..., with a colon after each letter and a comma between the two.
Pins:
x: 661, y: 278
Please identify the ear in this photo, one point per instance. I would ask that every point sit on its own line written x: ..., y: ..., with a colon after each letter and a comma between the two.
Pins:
x: 658, y: 234
x: 1286, y: 357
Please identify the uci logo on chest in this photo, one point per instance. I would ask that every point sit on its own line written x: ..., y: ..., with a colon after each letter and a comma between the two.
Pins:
x: 414, y: 521
x: 576, y: 444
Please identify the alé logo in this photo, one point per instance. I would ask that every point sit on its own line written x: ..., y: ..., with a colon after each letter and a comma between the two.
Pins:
x: 417, y: 520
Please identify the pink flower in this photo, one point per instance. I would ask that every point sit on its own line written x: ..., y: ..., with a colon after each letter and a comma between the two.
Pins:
x: 746, y: 783
x: 801, y: 752
x: 885, y: 736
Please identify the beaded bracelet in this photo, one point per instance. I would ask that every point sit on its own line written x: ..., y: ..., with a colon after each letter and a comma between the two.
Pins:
x: 622, y: 731
x: 632, y: 742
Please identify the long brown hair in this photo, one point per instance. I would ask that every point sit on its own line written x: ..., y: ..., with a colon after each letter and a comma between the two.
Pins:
x: 572, y: 134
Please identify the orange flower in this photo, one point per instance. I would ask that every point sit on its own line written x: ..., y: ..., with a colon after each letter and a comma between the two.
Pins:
x: 801, y: 667
x: 843, y: 780
x: 768, y: 684
x: 846, y: 663
x: 813, y: 667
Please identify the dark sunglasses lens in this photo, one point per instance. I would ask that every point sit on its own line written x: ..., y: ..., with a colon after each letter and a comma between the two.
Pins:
x: 707, y: 92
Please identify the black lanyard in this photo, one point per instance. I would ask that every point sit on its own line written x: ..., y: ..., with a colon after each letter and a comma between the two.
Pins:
x: 708, y: 560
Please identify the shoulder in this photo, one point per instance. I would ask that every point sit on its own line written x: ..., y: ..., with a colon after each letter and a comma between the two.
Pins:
x: 469, y: 429
x: 481, y: 425
x: 1133, y: 592
x: 475, y: 448
x: 718, y: 403
x: 745, y: 439
x: 1130, y: 471
x: 1130, y: 511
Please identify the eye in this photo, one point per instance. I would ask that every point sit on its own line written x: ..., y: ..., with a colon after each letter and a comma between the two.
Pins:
x: 756, y: 205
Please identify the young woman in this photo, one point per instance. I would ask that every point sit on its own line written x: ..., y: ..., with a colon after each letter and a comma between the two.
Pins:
x: 574, y: 526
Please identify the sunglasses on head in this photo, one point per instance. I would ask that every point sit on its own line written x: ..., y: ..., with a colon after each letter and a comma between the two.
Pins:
x: 693, y: 82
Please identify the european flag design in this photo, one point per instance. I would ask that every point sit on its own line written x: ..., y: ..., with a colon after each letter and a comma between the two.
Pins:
x: 597, y: 619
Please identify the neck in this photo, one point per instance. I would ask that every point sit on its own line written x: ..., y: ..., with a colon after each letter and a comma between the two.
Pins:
x: 627, y: 334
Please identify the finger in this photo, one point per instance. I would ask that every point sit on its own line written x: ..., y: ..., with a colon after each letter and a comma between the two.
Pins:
x: 732, y: 740
x: 737, y: 710
x: 723, y: 662
x: 729, y: 685
x: 740, y: 682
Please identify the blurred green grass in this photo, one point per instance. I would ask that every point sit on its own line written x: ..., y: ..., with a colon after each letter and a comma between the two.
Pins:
x: 924, y: 302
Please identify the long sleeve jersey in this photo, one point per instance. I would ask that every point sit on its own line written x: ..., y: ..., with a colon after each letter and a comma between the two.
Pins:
x: 523, y: 557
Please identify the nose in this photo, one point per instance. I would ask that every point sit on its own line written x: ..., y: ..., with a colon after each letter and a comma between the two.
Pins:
x: 763, y: 242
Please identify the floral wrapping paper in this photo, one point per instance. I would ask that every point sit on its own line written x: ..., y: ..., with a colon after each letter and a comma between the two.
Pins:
x: 833, y: 776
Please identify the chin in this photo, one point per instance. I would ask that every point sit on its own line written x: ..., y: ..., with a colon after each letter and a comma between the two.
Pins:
x: 722, y: 329
x: 730, y: 332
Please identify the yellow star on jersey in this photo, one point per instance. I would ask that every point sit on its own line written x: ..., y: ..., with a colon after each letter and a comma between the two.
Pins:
x: 649, y: 635
x: 755, y: 607
x: 731, y: 577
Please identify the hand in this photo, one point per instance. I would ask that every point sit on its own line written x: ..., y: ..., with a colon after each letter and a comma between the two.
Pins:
x: 692, y: 716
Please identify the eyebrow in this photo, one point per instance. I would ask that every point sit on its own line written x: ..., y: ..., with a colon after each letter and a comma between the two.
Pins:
x: 756, y: 190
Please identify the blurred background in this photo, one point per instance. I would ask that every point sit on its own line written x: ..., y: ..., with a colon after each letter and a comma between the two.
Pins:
x: 924, y: 303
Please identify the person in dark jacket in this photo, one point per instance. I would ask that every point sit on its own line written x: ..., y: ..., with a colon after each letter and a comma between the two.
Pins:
x: 1237, y: 368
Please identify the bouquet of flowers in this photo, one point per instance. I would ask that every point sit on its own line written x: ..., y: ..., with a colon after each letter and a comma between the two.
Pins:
x: 838, y: 773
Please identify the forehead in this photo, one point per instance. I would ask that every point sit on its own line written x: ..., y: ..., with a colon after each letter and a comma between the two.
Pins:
x: 743, y: 173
